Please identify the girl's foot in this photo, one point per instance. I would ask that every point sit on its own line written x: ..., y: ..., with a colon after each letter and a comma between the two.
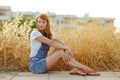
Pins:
x: 91, y: 73
x: 76, y: 71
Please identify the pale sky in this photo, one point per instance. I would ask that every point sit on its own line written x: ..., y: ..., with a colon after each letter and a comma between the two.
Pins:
x: 96, y: 8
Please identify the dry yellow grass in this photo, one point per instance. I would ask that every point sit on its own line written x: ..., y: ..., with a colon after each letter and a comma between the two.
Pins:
x: 95, y: 46
x: 14, y: 42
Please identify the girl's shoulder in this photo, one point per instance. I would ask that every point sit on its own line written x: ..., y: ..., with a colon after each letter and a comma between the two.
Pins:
x: 35, y: 32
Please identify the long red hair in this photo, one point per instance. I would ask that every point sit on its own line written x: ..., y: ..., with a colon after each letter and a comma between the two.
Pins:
x: 47, y: 32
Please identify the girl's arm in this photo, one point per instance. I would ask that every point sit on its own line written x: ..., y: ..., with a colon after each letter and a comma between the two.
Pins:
x: 68, y: 50
x: 51, y: 42
x: 58, y: 41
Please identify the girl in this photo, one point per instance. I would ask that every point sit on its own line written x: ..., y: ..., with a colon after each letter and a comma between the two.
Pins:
x: 40, y: 42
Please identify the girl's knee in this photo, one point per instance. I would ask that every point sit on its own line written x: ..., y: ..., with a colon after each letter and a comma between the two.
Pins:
x: 59, y: 52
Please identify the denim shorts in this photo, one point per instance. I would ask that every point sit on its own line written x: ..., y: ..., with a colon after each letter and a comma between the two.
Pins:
x: 38, y: 65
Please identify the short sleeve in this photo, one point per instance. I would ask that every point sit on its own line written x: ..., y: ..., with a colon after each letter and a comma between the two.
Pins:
x: 35, y: 34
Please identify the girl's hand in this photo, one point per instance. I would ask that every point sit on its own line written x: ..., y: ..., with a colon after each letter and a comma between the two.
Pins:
x: 66, y: 58
x: 70, y: 52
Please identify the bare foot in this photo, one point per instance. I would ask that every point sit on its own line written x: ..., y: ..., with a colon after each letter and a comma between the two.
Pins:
x: 76, y: 71
x: 91, y: 72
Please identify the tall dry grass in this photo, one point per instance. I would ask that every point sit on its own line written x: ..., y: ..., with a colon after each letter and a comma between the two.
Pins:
x: 14, y: 42
x: 95, y: 46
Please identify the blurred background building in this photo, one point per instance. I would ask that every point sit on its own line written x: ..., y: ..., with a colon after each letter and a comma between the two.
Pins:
x: 59, y: 20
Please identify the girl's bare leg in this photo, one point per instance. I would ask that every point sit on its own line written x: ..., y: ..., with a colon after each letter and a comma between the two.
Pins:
x: 80, y: 68
x: 54, y: 57
x: 57, y: 54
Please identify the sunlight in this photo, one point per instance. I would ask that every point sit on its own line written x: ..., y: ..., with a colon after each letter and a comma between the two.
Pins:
x: 96, y: 8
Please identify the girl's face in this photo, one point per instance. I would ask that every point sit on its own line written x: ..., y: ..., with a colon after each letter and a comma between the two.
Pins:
x: 42, y: 24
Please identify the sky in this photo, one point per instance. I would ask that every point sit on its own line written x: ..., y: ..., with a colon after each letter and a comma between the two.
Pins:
x: 95, y: 8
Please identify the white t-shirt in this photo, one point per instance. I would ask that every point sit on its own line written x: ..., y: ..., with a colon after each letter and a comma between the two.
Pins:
x: 34, y: 44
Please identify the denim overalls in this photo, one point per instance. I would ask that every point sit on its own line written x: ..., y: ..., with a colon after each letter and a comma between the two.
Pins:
x: 37, y: 64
